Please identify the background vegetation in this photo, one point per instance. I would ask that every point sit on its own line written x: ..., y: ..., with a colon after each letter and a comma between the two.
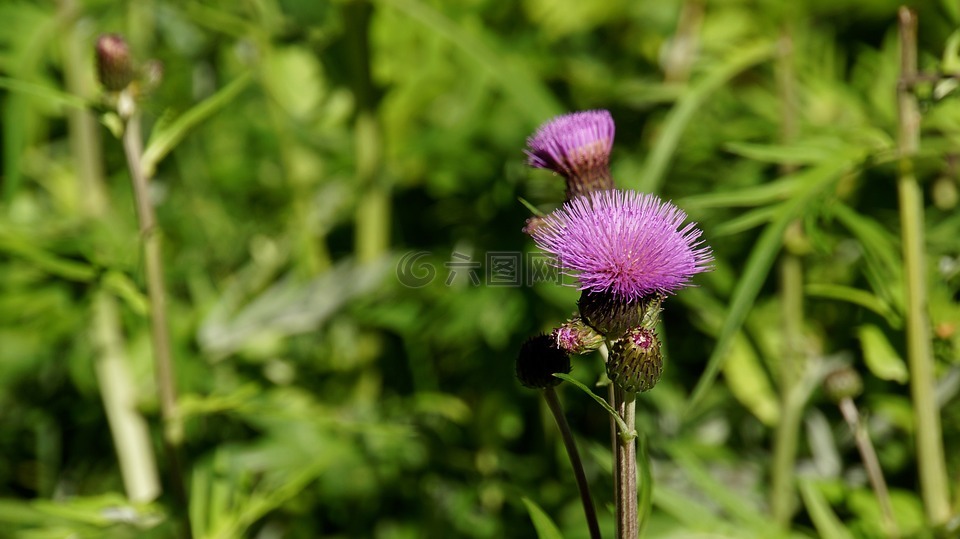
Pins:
x: 323, y: 398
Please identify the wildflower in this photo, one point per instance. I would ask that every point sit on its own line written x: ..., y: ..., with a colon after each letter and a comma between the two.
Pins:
x: 576, y: 146
x: 624, y: 243
x: 636, y: 362
x: 626, y: 249
x: 539, y: 359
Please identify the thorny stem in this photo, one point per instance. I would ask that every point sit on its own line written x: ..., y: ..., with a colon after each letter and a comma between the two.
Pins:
x: 930, y: 457
x: 571, y: 446
x: 871, y: 463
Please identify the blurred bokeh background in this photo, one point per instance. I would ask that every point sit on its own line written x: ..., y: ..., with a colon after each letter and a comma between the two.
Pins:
x: 341, y: 151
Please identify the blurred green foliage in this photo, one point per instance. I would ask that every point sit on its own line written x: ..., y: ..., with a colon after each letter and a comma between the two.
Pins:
x: 322, y: 397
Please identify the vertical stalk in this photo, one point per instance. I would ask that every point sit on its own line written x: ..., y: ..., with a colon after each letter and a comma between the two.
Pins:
x: 156, y: 292
x: 791, y: 313
x: 550, y: 395
x: 131, y: 437
x: 373, y: 212
x: 871, y: 463
x: 626, y: 473
x: 930, y: 457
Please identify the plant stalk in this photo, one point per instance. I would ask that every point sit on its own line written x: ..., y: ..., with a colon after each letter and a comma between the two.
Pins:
x: 791, y: 312
x: 930, y: 455
x: 156, y: 292
x: 871, y: 463
x: 626, y: 472
x: 550, y: 395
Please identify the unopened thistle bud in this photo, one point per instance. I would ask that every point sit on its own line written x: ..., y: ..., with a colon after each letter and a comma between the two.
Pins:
x: 576, y: 337
x: 576, y: 146
x: 539, y: 359
x: 636, y: 362
x: 114, y: 65
x: 843, y: 383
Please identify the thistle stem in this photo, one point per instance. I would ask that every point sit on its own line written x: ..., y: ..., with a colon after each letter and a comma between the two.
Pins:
x: 871, y: 463
x: 626, y: 461
x: 156, y: 292
x: 571, y: 446
x: 930, y: 456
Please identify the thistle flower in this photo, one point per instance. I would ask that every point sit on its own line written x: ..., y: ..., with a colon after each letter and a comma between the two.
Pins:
x: 625, y: 244
x: 576, y: 146
x: 538, y: 360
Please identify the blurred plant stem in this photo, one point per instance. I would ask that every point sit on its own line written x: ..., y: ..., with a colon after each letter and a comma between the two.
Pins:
x: 131, y: 437
x: 791, y: 311
x: 683, y: 46
x: 153, y: 265
x: 550, y: 395
x: 626, y: 462
x: 372, y: 218
x: 871, y: 463
x: 930, y: 455
x: 84, y: 133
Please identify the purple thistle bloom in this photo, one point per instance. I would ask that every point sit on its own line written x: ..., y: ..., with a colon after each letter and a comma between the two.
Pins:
x: 576, y: 146
x: 627, y: 244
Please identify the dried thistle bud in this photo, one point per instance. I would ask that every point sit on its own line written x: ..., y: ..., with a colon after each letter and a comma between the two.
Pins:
x: 576, y: 337
x: 636, y: 361
x: 843, y: 383
x: 539, y: 359
x: 114, y: 65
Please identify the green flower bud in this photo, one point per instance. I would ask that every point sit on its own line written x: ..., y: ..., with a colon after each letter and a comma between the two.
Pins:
x: 843, y: 383
x: 636, y: 362
x: 539, y: 359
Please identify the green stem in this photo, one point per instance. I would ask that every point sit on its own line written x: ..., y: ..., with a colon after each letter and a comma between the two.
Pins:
x: 156, y: 292
x: 871, y: 463
x: 930, y: 456
x: 571, y: 446
x: 131, y: 437
x: 626, y: 473
x: 791, y: 304
x: 373, y: 212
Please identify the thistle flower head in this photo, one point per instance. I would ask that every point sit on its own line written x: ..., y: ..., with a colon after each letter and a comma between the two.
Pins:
x: 624, y: 244
x: 576, y: 146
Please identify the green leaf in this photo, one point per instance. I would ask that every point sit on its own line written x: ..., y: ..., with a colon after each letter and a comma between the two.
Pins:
x: 857, y: 297
x: 166, y: 137
x: 546, y: 529
x: 881, y: 358
x: 823, y: 517
x: 749, y: 382
x: 43, y: 92
x: 794, y: 154
x: 606, y: 406
x: 645, y: 497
